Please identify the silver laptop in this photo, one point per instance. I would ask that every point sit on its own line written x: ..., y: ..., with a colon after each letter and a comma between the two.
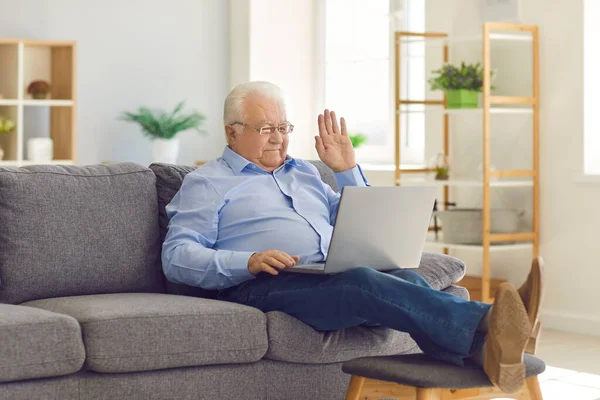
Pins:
x: 383, y: 228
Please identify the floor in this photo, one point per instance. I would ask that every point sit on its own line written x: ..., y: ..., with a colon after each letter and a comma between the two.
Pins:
x: 573, y: 361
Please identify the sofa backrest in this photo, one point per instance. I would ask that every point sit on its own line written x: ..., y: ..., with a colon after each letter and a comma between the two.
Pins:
x: 168, y: 181
x: 69, y: 230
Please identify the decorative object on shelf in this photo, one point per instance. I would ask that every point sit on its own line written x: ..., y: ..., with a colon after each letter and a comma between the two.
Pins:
x: 461, y: 84
x: 464, y: 225
x: 442, y: 168
x: 39, y: 89
x: 357, y: 139
x: 40, y: 149
x: 436, y: 227
x: 161, y: 127
x: 6, y: 126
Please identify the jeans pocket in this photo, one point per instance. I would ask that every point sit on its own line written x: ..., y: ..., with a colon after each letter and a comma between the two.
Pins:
x: 235, y: 294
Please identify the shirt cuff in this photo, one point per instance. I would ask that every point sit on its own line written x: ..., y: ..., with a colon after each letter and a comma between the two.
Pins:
x: 351, y: 177
x: 239, y: 267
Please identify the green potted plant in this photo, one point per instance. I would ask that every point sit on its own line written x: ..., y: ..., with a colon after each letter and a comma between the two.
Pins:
x: 161, y: 128
x: 38, y: 89
x: 441, y: 167
x: 357, y: 139
x: 6, y: 126
x: 461, y: 84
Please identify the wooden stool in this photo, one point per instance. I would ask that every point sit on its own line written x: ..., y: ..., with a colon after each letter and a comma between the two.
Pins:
x: 417, y: 376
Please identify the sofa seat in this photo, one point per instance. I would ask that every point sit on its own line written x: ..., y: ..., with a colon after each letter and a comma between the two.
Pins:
x: 36, y: 343
x: 150, y: 331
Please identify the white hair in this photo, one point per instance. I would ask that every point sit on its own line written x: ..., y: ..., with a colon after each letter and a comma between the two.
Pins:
x: 234, y: 103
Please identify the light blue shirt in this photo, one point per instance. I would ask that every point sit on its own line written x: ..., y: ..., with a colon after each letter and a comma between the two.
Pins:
x: 230, y: 208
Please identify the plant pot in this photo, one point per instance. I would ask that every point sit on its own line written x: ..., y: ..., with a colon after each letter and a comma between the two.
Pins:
x: 165, y: 150
x: 40, y: 95
x: 462, y: 98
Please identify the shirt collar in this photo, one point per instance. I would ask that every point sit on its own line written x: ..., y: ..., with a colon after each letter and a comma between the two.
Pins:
x: 237, y: 163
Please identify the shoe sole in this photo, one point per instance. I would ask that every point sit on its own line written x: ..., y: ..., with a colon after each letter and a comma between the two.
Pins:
x: 508, y: 334
x: 537, y: 269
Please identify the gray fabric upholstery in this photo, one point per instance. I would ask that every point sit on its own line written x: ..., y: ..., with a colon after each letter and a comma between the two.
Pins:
x: 423, y: 371
x: 36, y: 343
x: 149, y: 331
x: 68, y: 230
x: 168, y: 182
x: 326, y: 173
x: 286, y: 381
x: 219, y: 382
x: 63, y: 388
x: 458, y: 291
x: 262, y: 380
x: 294, y: 341
x: 441, y: 270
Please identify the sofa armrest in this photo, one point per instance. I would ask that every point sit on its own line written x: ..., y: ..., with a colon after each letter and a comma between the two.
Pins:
x: 441, y: 270
x: 38, y: 343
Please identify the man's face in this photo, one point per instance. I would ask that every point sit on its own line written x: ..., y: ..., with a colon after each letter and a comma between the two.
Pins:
x: 266, y: 151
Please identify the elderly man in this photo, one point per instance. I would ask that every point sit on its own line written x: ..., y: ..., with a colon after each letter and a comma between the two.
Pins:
x: 239, y: 221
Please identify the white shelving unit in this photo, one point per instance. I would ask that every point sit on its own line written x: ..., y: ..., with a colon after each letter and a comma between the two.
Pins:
x: 22, y: 62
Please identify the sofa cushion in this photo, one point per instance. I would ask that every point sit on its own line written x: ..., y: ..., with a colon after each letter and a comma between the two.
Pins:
x: 37, y: 343
x: 149, y: 331
x: 292, y: 340
x: 68, y: 230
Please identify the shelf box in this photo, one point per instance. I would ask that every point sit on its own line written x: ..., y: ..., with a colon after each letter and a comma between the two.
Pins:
x: 53, y: 122
x: 9, y: 61
x: 52, y: 62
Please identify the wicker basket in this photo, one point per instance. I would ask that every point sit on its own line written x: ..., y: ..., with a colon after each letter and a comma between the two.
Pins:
x: 464, y: 225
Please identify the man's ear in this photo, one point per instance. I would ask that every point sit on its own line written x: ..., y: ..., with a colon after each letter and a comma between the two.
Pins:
x: 231, y: 135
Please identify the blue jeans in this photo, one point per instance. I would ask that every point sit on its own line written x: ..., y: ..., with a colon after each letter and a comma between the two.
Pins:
x: 443, y: 325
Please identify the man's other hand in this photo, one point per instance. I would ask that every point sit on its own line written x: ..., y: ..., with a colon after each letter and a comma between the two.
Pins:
x: 333, y: 144
x: 271, y: 261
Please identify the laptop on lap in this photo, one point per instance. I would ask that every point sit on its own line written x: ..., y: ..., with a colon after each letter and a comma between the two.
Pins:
x: 383, y: 228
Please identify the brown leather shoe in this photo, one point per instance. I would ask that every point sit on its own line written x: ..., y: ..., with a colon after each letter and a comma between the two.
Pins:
x: 531, y: 293
x: 509, y: 330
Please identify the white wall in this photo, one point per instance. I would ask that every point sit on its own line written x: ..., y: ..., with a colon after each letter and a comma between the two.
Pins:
x: 281, y: 38
x: 569, y: 216
x: 133, y: 53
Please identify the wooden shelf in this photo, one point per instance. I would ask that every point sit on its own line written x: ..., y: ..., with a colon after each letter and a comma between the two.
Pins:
x: 14, y: 163
x: 470, y: 111
x: 464, y: 182
x: 24, y: 61
x: 439, y: 245
x: 48, y: 103
x: 452, y: 40
x: 491, y: 104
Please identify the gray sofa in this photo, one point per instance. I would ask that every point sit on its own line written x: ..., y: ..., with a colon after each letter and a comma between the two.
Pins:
x: 85, y: 312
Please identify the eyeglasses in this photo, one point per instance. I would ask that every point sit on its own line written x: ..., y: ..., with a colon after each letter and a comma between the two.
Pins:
x: 284, y: 129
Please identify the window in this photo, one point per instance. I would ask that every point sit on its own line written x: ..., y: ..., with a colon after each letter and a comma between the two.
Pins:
x: 359, y: 73
x: 591, y: 60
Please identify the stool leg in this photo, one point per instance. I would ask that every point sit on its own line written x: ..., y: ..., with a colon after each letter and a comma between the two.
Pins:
x: 429, y: 394
x: 355, y: 387
x: 533, y: 385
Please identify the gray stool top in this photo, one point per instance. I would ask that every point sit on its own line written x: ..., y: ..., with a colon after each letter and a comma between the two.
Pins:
x: 422, y: 371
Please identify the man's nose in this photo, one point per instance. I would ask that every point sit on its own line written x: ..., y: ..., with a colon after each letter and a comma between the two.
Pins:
x: 276, y: 137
